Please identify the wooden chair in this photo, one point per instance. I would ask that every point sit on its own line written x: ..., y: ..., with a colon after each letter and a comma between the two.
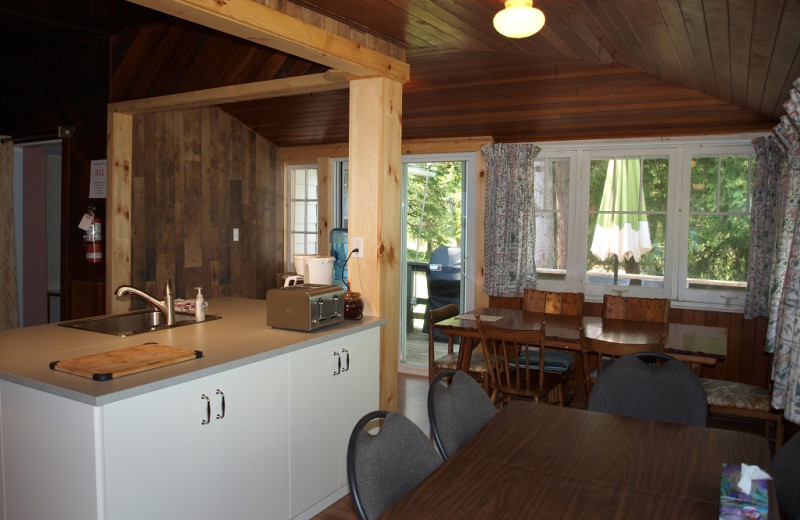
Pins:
x: 654, y: 310
x: 511, y: 373
x: 564, y: 304
x: 477, y: 366
x: 734, y: 399
x: 559, y: 304
x: 598, y: 354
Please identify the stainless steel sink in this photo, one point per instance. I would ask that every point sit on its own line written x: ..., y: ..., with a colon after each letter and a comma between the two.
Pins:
x: 135, y: 322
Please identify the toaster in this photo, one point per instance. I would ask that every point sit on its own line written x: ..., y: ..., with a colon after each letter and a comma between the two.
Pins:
x: 305, y: 307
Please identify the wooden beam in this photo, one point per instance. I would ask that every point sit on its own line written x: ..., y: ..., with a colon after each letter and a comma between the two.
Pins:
x: 375, y: 186
x: 118, y: 210
x: 330, y: 80
x: 262, y: 25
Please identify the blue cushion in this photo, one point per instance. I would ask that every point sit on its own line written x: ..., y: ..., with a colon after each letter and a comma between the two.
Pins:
x: 554, y: 361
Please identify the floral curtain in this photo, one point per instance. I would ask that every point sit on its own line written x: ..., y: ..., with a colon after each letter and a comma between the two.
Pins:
x: 510, y: 225
x: 783, y: 324
x: 9, y: 309
x: 770, y: 159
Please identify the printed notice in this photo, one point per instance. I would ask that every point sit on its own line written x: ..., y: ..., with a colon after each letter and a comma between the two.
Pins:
x: 97, y: 182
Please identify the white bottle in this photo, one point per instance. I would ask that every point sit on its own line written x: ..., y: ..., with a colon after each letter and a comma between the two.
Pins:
x: 199, y: 311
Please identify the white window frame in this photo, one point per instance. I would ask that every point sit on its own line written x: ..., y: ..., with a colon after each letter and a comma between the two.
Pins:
x: 572, y: 278
x: 290, y: 231
x: 596, y: 291
x: 679, y: 151
x: 721, y: 295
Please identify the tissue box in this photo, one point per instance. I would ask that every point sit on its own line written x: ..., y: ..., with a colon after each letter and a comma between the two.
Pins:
x: 733, y: 504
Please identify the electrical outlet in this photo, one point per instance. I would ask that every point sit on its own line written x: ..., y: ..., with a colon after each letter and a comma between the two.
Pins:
x: 358, y: 244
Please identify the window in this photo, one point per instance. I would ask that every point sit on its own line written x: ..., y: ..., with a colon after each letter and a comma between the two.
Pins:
x: 681, y: 208
x: 718, y: 225
x: 551, y: 197
x: 303, y: 214
x: 627, y: 217
x: 342, y: 177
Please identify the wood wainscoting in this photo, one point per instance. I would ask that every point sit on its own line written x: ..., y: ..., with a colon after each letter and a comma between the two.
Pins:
x: 745, y: 362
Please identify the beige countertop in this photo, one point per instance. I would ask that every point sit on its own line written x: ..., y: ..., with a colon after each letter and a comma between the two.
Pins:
x: 241, y: 337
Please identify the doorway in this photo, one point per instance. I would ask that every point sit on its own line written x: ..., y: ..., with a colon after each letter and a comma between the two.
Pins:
x: 438, y: 237
x: 37, y: 227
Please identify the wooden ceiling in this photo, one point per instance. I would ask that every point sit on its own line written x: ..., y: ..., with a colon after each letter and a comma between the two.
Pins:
x: 599, y: 68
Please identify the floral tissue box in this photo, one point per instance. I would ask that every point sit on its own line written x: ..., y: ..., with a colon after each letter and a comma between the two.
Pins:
x: 735, y: 504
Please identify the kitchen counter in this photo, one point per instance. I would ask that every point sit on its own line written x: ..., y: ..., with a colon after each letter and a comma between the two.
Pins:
x: 240, y: 338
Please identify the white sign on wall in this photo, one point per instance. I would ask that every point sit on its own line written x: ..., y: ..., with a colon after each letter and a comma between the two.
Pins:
x: 97, y: 182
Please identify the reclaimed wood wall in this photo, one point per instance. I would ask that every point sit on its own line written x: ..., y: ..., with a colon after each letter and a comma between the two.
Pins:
x: 745, y: 361
x: 197, y: 174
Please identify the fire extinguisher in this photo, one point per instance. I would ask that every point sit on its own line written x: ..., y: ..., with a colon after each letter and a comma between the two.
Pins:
x: 93, y: 237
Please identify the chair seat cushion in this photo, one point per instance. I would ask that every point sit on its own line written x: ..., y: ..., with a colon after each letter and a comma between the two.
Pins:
x: 736, y: 395
x: 553, y: 361
x: 450, y: 362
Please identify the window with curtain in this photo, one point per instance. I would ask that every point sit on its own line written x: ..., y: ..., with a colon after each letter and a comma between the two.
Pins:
x: 677, y: 211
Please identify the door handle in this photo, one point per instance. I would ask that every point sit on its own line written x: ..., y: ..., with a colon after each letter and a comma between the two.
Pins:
x: 221, y: 415
x: 338, y: 364
x: 205, y: 398
x: 346, y: 360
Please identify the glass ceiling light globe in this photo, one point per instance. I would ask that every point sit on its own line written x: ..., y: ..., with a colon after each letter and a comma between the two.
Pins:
x: 519, y: 19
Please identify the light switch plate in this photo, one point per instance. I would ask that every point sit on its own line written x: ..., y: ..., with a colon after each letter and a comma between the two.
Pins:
x: 236, y: 234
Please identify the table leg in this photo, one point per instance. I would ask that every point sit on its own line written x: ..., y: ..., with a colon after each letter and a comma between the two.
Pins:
x: 465, y: 353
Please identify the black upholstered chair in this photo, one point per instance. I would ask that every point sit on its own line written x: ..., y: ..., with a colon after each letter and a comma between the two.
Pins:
x: 456, y: 411
x: 650, y: 385
x: 383, y: 467
x: 786, y: 472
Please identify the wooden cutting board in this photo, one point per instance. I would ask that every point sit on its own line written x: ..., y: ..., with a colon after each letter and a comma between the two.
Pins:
x: 124, y: 361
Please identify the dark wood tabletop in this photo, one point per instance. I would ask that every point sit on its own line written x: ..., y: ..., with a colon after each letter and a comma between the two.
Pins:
x: 692, y: 343
x: 547, y: 462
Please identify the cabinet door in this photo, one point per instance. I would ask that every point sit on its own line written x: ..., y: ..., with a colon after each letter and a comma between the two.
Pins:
x: 162, y: 462
x: 250, y: 444
x: 314, y: 424
x: 155, y: 458
x: 49, y: 459
x: 359, y: 388
x: 328, y: 396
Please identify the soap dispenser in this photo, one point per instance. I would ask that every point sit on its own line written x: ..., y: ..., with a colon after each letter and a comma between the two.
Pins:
x: 199, y: 311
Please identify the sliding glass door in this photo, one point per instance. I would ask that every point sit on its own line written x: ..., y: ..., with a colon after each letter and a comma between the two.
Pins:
x: 438, y: 233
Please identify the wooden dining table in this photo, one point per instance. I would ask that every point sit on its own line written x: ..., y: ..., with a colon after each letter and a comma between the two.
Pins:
x: 547, y: 462
x: 693, y: 344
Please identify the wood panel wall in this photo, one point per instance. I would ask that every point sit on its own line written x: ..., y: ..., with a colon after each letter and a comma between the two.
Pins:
x: 745, y: 361
x: 197, y: 174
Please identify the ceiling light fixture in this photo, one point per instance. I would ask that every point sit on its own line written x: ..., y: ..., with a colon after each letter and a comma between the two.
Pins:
x: 519, y: 19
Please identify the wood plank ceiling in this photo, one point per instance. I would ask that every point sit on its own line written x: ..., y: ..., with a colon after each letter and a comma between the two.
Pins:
x: 598, y: 68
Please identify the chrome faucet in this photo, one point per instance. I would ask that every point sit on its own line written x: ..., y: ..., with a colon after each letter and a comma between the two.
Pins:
x: 166, y: 306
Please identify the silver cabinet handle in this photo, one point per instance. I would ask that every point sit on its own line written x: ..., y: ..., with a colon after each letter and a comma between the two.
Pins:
x: 221, y: 415
x: 347, y: 360
x: 338, y: 363
x: 208, y: 409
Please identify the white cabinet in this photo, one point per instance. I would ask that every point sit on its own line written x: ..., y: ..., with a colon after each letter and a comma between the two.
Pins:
x: 49, y: 456
x: 276, y: 450
x: 212, y: 448
x: 332, y: 385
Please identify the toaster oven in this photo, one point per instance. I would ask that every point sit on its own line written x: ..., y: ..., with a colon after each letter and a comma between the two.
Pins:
x: 305, y: 307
